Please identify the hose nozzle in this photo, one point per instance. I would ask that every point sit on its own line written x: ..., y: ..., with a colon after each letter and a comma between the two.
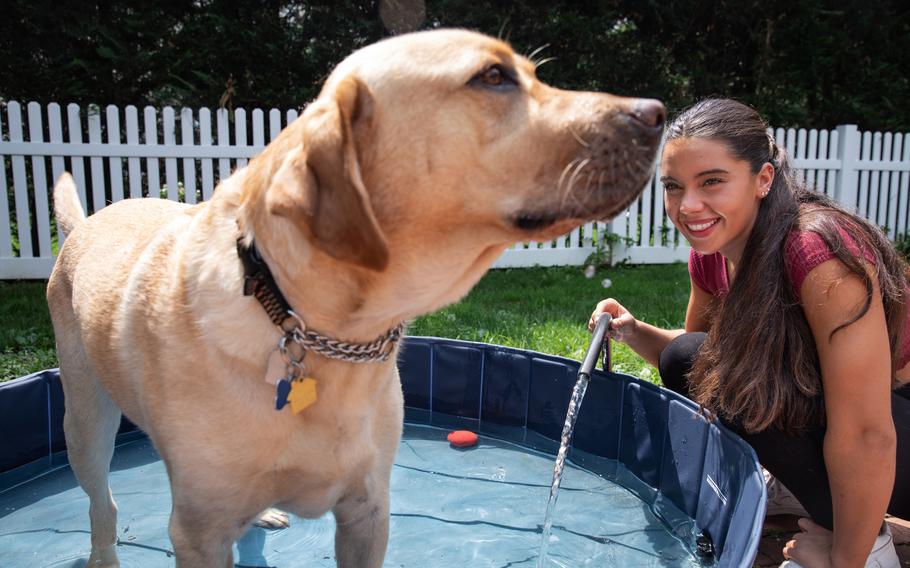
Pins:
x: 599, y: 340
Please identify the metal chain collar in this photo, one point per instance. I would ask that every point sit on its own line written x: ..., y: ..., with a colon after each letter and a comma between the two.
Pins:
x: 259, y: 282
x: 380, y: 349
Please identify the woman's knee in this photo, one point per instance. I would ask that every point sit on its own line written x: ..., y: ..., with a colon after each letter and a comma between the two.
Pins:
x: 677, y: 358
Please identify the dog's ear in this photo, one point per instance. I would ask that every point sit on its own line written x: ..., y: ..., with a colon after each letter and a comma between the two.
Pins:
x: 319, y: 186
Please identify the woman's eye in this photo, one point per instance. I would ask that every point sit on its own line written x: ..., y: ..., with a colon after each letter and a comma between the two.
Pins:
x: 669, y: 186
x: 713, y: 181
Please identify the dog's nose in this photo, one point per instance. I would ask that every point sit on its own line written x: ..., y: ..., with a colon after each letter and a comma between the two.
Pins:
x: 649, y: 112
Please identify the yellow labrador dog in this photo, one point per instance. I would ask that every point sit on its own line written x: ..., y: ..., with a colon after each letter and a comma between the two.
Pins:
x: 422, y: 159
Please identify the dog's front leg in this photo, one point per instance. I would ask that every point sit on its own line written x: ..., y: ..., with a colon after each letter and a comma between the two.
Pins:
x: 362, y: 532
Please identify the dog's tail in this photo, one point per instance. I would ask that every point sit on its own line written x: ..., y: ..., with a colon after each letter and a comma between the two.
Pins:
x: 67, y: 207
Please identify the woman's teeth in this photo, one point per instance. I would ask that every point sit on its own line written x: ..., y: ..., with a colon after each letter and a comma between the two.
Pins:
x: 701, y: 226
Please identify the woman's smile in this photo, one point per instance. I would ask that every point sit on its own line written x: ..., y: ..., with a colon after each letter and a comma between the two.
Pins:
x: 701, y: 228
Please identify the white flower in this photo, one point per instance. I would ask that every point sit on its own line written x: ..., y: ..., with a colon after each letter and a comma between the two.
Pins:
x: 606, y: 282
x: 589, y: 271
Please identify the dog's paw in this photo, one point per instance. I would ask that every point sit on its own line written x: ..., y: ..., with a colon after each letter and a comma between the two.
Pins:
x: 103, y: 558
x: 272, y: 519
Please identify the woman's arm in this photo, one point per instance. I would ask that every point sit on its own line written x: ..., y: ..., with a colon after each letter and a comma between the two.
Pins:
x: 648, y: 341
x: 645, y: 339
x: 860, y: 441
x: 697, y: 310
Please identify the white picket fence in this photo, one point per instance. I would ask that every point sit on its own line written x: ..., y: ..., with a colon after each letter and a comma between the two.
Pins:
x: 182, y: 154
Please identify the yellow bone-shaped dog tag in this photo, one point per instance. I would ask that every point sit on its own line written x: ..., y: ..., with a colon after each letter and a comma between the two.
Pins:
x: 303, y: 394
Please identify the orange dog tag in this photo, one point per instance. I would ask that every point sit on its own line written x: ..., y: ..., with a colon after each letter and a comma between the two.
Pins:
x: 303, y: 394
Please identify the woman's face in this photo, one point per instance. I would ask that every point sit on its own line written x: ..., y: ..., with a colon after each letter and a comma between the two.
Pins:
x: 710, y: 195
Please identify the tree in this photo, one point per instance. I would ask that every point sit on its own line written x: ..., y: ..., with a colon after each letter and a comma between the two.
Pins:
x: 803, y: 62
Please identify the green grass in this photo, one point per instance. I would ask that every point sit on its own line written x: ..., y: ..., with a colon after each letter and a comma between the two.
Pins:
x: 26, y: 335
x: 543, y: 309
x: 547, y: 309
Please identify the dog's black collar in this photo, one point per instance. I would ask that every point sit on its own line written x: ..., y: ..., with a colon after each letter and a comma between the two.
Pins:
x: 259, y: 282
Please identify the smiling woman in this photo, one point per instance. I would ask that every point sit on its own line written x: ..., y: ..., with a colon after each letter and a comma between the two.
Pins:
x: 794, y: 334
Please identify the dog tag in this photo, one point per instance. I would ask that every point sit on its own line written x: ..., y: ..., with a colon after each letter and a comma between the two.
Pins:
x: 303, y: 394
x: 282, y: 390
x: 277, y: 368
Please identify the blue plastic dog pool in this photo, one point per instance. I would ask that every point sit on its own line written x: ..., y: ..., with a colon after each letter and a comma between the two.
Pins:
x: 648, y: 474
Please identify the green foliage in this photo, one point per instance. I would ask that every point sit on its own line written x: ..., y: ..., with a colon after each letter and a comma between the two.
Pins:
x: 902, y: 244
x: 808, y: 63
x: 181, y: 193
x: 605, y: 250
x: 19, y: 362
x: 26, y: 336
x: 14, y: 236
x: 183, y: 52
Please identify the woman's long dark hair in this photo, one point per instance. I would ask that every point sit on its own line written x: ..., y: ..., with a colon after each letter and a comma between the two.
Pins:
x: 759, y: 365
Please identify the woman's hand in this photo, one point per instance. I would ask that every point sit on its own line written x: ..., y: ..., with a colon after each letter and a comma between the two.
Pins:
x: 810, y: 548
x: 623, y: 325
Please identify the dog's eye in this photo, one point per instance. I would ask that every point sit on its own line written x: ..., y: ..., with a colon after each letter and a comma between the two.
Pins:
x: 494, y: 77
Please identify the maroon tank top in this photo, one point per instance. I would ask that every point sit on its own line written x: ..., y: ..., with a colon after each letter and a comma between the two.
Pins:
x: 804, y: 250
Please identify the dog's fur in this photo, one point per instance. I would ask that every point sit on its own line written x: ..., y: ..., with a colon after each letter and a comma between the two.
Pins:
x: 388, y: 198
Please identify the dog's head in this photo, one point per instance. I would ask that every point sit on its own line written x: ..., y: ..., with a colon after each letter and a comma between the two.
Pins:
x: 432, y: 152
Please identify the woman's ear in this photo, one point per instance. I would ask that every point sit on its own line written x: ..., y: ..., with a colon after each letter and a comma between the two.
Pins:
x: 765, y: 179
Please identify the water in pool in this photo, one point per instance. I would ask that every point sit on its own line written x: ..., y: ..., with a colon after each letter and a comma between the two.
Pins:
x: 483, y: 506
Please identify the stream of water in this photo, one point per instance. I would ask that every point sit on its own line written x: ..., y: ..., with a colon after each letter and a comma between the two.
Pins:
x: 578, y: 393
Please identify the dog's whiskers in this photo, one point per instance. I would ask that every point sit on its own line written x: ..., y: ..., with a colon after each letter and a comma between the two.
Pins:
x: 562, y: 176
x: 540, y: 62
x: 578, y: 202
x: 572, y: 180
x: 502, y: 29
x: 579, y: 139
x: 538, y: 50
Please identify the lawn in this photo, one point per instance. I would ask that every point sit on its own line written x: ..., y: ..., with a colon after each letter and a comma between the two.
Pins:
x: 543, y: 309
x: 26, y: 335
x: 547, y: 309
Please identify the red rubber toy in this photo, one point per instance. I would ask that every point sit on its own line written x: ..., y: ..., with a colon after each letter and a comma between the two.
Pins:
x: 462, y: 438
